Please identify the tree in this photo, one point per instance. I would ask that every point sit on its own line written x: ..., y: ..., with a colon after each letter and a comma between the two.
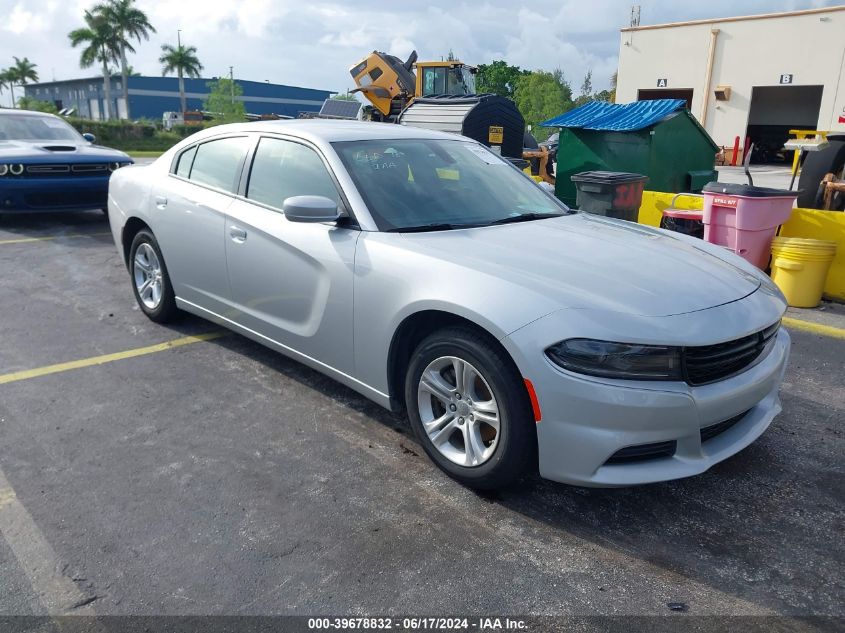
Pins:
x: 223, y: 102
x: 540, y: 96
x: 586, y: 89
x: 345, y: 97
x: 128, y: 23
x: 587, y: 84
x: 5, y: 81
x: 101, y: 44
x: 183, y: 61
x: 498, y: 77
x: 22, y: 72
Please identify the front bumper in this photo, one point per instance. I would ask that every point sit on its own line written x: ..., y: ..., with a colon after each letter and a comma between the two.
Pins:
x: 587, y: 420
x: 49, y: 195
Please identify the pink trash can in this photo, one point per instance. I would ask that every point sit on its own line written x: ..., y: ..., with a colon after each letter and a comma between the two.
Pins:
x: 745, y: 218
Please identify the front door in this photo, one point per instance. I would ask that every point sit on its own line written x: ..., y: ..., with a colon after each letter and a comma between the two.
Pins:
x: 290, y: 281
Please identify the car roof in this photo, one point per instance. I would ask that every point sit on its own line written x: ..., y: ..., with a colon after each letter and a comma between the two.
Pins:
x: 331, y: 130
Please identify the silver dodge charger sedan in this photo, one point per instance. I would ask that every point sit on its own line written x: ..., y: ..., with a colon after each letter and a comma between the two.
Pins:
x: 427, y: 273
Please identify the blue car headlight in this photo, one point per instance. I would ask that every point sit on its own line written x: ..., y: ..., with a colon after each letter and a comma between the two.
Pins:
x: 617, y: 360
x: 4, y: 169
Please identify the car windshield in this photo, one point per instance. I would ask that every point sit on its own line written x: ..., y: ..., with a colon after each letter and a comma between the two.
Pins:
x: 441, y: 184
x: 34, y: 127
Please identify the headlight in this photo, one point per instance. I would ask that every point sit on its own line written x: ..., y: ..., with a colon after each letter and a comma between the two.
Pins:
x: 16, y: 170
x: 4, y: 169
x: 114, y: 166
x: 617, y: 360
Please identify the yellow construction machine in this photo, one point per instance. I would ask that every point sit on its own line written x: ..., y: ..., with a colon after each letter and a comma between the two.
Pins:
x: 391, y: 84
x: 441, y: 96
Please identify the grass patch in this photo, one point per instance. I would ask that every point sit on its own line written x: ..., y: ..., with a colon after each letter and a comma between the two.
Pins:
x: 144, y: 153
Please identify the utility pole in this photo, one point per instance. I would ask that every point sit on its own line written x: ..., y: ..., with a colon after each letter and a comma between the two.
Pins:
x: 179, y: 38
x: 232, y: 82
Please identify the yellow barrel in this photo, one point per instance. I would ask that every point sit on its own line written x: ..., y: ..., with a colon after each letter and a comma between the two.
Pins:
x: 799, y: 268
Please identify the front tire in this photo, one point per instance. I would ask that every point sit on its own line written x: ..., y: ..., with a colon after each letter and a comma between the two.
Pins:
x: 150, y: 281
x: 468, y: 406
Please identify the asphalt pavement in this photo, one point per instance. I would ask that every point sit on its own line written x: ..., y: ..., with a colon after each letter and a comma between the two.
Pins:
x: 217, y: 477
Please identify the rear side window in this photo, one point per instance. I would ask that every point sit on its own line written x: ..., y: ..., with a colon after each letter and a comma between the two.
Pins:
x: 218, y: 163
x: 183, y: 167
x: 282, y: 169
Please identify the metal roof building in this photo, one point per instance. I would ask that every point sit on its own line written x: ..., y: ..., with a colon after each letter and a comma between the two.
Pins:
x: 150, y: 97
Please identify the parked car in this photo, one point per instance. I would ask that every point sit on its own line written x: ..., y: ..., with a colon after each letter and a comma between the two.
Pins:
x: 427, y: 273
x: 46, y: 165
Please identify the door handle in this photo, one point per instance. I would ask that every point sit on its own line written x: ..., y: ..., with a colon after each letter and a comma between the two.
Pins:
x: 237, y: 234
x: 161, y: 202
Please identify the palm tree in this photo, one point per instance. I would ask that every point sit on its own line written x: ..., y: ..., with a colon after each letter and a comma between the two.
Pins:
x: 101, y: 45
x: 184, y: 62
x: 128, y: 22
x: 22, y: 72
x: 4, y: 80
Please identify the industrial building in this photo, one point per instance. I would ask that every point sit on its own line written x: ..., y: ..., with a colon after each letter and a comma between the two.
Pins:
x: 149, y: 97
x: 753, y: 77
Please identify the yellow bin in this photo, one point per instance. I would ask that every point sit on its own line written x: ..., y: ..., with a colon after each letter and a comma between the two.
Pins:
x: 799, y: 268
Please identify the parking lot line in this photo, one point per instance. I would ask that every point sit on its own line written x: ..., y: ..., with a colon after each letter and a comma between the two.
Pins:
x: 107, y: 358
x: 47, y: 238
x: 814, y: 328
x: 56, y: 592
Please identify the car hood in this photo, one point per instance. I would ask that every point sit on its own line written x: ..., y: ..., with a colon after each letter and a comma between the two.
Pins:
x: 53, y: 151
x: 584, y: 261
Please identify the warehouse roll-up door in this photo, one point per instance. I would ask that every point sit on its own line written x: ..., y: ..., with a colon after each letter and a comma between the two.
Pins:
x: 666, y: 93
x: 774, y: 111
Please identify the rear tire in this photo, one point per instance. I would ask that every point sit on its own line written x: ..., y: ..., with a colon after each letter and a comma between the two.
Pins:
x: 469, y: 408
x: 150, y: 281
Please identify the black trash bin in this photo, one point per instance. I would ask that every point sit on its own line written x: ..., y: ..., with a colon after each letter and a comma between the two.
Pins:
x: 614, y: 194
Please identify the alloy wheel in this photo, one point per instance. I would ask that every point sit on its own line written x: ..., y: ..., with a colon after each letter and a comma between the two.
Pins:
x: 146, y: 270
x: 458, y: 411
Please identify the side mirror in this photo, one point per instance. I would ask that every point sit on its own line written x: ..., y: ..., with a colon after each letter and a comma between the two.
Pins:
x: 89, y: 137
x: 311, y: 209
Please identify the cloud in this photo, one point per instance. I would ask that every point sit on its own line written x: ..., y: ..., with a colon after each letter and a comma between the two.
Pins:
x: 21, y: 21
x: 314, y: 43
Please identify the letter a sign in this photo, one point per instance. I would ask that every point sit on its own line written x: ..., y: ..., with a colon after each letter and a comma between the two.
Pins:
x: 662, y: 83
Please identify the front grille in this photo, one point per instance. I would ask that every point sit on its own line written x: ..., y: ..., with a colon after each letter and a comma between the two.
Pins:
x: 709, y: 432
x: 93, y: 168
x: 710, y: 363
x: 643, y: 452
x: 66, y: 170
x: 47, y: 169
x: 59, y: 199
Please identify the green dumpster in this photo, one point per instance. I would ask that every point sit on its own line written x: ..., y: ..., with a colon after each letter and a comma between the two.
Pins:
x: 658, y: 138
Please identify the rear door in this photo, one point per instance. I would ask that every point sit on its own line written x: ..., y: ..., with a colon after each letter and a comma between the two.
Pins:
x: 191, y: 211
x: 291, y: 281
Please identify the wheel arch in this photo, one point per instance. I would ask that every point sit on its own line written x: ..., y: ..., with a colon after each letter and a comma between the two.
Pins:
x: 132, y: 227
x: 411, y: 331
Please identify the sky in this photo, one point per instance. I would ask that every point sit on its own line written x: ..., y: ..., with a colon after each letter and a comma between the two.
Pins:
x: 314, y: 43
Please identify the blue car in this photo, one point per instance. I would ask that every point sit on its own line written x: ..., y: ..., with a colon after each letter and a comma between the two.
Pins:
x: 47, y: 166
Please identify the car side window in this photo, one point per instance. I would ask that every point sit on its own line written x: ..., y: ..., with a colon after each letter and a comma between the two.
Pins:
x: 217, y: 163
x: 282, y: 169
x: 186, y: 159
